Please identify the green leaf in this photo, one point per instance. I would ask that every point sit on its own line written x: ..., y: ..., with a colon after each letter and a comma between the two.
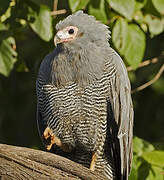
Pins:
x: 120, y: 34
x: 129, y: 41
x: 125, y: 8
x: 155, y: 173
x: 134, y: 171
x: 154, y: 22
x: 150, y: 9
x: 76, y: 5
x: 154, y: 157
x: 40, y: 21
x: 159, y: 5
x: 2, y: 27
x: 8, y: 56
x: 143, y: 170
x: 4, y: 4
x: 139, y: 4
x: 97, y: 9
x: 135, y: 46
x: 140, y: 146
x: 139, y: 17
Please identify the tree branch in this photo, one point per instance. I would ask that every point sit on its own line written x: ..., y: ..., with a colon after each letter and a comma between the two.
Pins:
x: 55, y: 5
x: 55, y: 11
x: 144, y: 63
x: 24, y: 163
x: 58, y: 12
x: 151, y: 81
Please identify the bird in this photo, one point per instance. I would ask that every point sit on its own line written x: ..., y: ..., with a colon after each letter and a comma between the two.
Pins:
x: 84, y: 104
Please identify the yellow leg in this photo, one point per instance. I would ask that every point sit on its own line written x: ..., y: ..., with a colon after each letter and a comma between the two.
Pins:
x: 93, y: 162
x: 53, y: 140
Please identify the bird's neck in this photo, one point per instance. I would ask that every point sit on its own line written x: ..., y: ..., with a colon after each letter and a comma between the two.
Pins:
x: 82, y: 66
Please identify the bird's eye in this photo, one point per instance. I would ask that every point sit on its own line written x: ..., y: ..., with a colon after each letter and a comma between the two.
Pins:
x: 71, y: 31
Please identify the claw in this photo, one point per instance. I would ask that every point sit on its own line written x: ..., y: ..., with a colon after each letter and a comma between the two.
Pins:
x: 48, y: 134
x: 93, y: 162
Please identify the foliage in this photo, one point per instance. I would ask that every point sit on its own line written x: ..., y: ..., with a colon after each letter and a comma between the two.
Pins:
x: 129, y: 19
x: 148, y: 163
x: 26, y: 36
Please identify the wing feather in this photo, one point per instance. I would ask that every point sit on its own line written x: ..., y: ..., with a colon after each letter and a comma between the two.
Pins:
x: 120, y: 99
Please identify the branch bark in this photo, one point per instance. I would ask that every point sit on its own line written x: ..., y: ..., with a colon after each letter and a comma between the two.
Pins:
x: 58, y: 12
x: 161, y: 70
x: 24, y: 163
x: 144, y: 63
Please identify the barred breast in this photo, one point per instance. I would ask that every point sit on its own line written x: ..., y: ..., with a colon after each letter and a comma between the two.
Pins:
x: 78, y: 116
x: 74, y: 114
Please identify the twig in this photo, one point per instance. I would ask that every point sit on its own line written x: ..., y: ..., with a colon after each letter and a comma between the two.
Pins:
x: 144, y: 63
x: 55, y: 11
x: 58, y: 12
x: 150, y: 82
x: 55, y: 5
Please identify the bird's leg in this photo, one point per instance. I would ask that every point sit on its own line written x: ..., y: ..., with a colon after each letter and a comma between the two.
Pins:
x: 93, y: 162
x: 49, y: 136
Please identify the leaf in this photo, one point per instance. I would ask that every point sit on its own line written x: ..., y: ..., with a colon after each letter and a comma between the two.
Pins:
x: 139, y: 17
x: 159, y: 5
x: 134, y: 171
x: 154, y: 22
x: 154, y: 157
x: 76, y: 5
x: 140, y: 146
x: 139, y: 4
x: 155, y: 173
x: 129, y: 41
x: 8, y: 56
x: 2, y: 27
x: 135, y: 46
x: 149, y: 8
x: 97, y: 9
x: 4, y: 4
x: 120, y: 35
x: 143, y: 170
x: 40, y: 21
x: 125, y: 8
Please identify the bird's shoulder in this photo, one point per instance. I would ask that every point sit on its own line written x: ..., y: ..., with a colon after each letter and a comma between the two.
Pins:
x: 120, y: 68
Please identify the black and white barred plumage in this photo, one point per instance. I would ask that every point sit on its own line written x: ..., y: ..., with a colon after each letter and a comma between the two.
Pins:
x: 84, y: 98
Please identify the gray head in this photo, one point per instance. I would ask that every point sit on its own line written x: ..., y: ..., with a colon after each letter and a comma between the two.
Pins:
x: 83, y: 50
x: 80, y: 29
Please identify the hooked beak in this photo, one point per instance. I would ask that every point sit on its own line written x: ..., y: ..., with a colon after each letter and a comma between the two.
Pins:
x: 57, y: 40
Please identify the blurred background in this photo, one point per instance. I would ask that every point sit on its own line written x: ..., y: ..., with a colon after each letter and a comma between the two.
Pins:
x: 27, y: 29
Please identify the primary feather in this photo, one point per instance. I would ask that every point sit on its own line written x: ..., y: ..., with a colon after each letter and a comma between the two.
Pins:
x: 84, y: 98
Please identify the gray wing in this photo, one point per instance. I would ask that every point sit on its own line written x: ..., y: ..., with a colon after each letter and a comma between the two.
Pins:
x: 120, y: 99
x: 42, y: 80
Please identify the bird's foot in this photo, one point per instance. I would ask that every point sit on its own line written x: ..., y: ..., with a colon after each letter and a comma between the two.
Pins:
x: 51, y: 139
x: 93, y: 162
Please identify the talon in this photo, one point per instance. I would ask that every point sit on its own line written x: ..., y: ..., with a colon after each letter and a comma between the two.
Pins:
x: 93, y: 162
x: 48, y: 134
x: 48, y: 147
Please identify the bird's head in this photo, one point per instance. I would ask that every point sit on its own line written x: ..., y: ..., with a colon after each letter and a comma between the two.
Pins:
x: 80, y: 29
x: 66, y: 35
